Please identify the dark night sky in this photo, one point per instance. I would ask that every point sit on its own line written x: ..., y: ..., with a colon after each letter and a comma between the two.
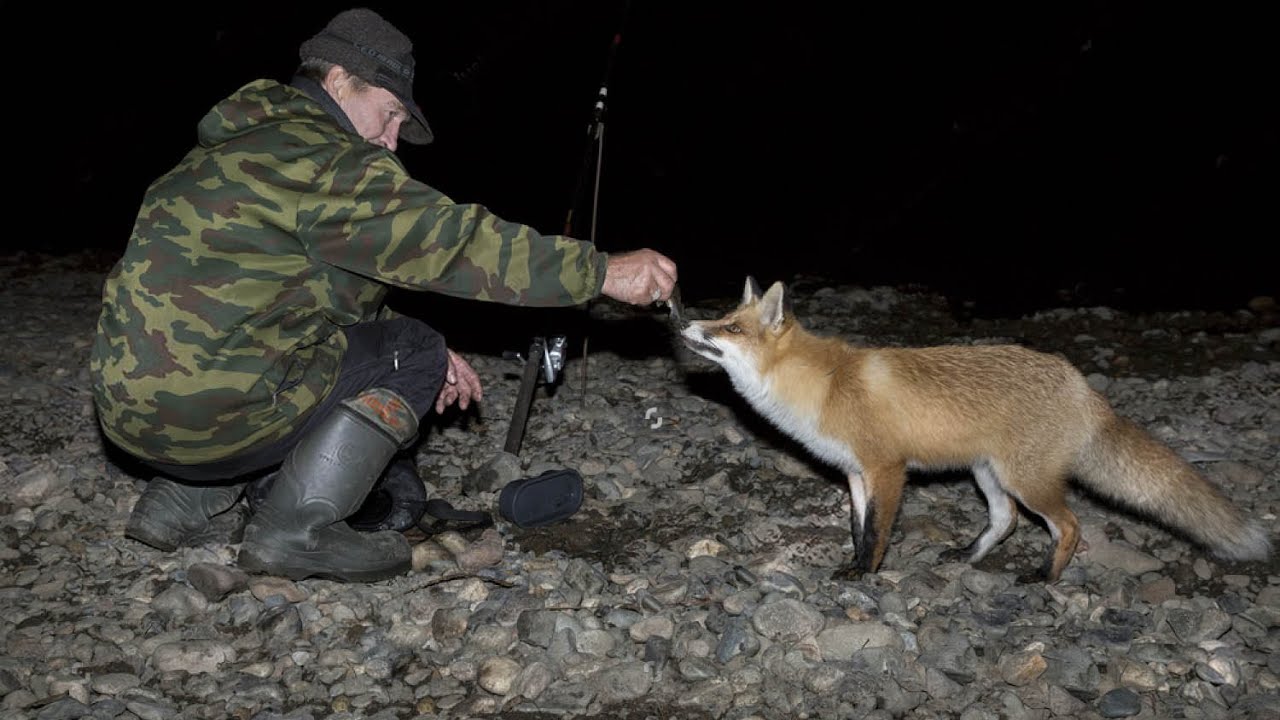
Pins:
x: 1003, y: 154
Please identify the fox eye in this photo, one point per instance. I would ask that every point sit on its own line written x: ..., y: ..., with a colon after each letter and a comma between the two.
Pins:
x: 733, y: 328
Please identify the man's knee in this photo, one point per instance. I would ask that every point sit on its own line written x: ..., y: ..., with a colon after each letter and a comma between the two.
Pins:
x: 417, y: 345
x: 422, y: 335
x: 418, y: 359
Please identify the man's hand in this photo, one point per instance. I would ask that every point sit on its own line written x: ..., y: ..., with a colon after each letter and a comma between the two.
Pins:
x: 461, y: 385
x: 639, y: 277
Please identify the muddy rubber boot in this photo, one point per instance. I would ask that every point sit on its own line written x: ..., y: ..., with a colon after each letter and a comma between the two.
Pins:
x: 169, y: 515
x: 396, y: 502
x: 299, y: 530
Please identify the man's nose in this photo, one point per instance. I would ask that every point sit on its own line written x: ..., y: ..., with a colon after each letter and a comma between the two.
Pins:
x: 391, y: 137
x: 391, y: 133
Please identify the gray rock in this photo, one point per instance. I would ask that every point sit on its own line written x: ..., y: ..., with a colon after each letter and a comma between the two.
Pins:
x: 841, y: 642
x: 64, y: 709
x: 737, y: 639
x: 787, y: 618
x: 150, y: 710
x: 493, y: 474
x: 216, y: 581
x: 8, y: 682
x: 712, y: 696
x: 581, y: 575
x: 694, y: 669
x: 115, y: 683
x: 181, y: 602
x: 282, y: 623
x: 657, y: 650
x: 1194, y: 627
x: 106, y: 709
x: 622, y: 683
x: 537, y: 627
x: 498, y: 675
x: 192, y: 656
x: 949, y: 652
x: 939, y: 686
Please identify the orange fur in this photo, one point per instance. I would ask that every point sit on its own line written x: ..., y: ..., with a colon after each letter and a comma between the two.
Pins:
x: 1024, y: 421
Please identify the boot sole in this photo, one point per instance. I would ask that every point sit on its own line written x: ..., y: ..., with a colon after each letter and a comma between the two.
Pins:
x: 253, y: 560
x: 226, y: 527
x: 160, y: 537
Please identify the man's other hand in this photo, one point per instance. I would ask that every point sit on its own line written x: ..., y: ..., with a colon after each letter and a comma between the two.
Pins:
x: 461, y: 385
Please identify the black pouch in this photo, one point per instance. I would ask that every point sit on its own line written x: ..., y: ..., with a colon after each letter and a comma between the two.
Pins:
x: 540, y: 500
x: 440, y: 515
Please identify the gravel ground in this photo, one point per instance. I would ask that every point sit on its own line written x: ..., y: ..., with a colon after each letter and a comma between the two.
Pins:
x: 704, y: 575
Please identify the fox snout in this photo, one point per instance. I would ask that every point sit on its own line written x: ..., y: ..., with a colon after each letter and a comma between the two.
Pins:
x: 697, y: 340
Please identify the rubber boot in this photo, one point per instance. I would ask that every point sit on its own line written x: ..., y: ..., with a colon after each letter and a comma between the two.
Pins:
x: 169, y: 515
x: 255, y: 494
x: 299, y: 530
x: 396, y: 502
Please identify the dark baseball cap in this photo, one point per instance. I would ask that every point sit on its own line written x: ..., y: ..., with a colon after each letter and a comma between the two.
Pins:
x: 371, y: 48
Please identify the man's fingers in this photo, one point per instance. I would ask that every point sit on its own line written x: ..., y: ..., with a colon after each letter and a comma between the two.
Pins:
x: 469, y: 381
x: 660, y: 276
x: 462, y: 384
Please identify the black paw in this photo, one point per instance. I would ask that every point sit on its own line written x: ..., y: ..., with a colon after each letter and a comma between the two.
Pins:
x: 849, y: 573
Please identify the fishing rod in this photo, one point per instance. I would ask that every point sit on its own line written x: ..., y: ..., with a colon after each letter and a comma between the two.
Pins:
x: 545, y: 356
x: 594, y: 147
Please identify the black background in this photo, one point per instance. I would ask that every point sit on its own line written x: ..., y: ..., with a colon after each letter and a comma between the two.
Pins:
x: 1019, y: 155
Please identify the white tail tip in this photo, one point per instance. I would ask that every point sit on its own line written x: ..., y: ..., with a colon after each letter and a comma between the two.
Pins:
x: 1250, y: 544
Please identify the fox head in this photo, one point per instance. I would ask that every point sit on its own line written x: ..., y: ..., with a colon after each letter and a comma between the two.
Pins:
x: 742, y: 341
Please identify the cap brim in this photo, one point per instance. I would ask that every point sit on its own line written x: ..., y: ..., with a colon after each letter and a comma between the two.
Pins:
x: 416, y: 131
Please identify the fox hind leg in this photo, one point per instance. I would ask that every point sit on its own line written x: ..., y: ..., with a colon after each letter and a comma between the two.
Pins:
x: 1047, y: 498
x: 1002, y: 517
x: 1065, y: 529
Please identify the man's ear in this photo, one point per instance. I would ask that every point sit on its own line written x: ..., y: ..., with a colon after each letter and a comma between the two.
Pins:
x: 337, y: 82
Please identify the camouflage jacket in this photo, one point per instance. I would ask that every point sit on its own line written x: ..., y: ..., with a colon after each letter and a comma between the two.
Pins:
x: 220, y: 323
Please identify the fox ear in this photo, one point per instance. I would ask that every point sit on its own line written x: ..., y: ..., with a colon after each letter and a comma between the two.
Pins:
x: 774, y: 306
x: 751, y: 291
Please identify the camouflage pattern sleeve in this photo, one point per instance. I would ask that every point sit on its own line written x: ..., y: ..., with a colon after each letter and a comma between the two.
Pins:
x: 221, y: 325
x: 370, y: 218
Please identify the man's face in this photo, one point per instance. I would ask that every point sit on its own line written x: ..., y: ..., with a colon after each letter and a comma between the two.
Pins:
x: 377, y: 115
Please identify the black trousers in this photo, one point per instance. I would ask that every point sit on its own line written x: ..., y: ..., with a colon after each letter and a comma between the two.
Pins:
x: 404, y: 355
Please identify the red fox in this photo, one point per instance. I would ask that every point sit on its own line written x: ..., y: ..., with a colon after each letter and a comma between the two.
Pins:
x: 1023, y: 421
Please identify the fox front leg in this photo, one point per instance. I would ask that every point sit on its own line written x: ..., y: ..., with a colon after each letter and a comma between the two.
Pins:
x: 857, y: 521
x: 874, y: 496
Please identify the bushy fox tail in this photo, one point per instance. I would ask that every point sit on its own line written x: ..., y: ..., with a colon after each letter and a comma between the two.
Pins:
x: 1126, y: 464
